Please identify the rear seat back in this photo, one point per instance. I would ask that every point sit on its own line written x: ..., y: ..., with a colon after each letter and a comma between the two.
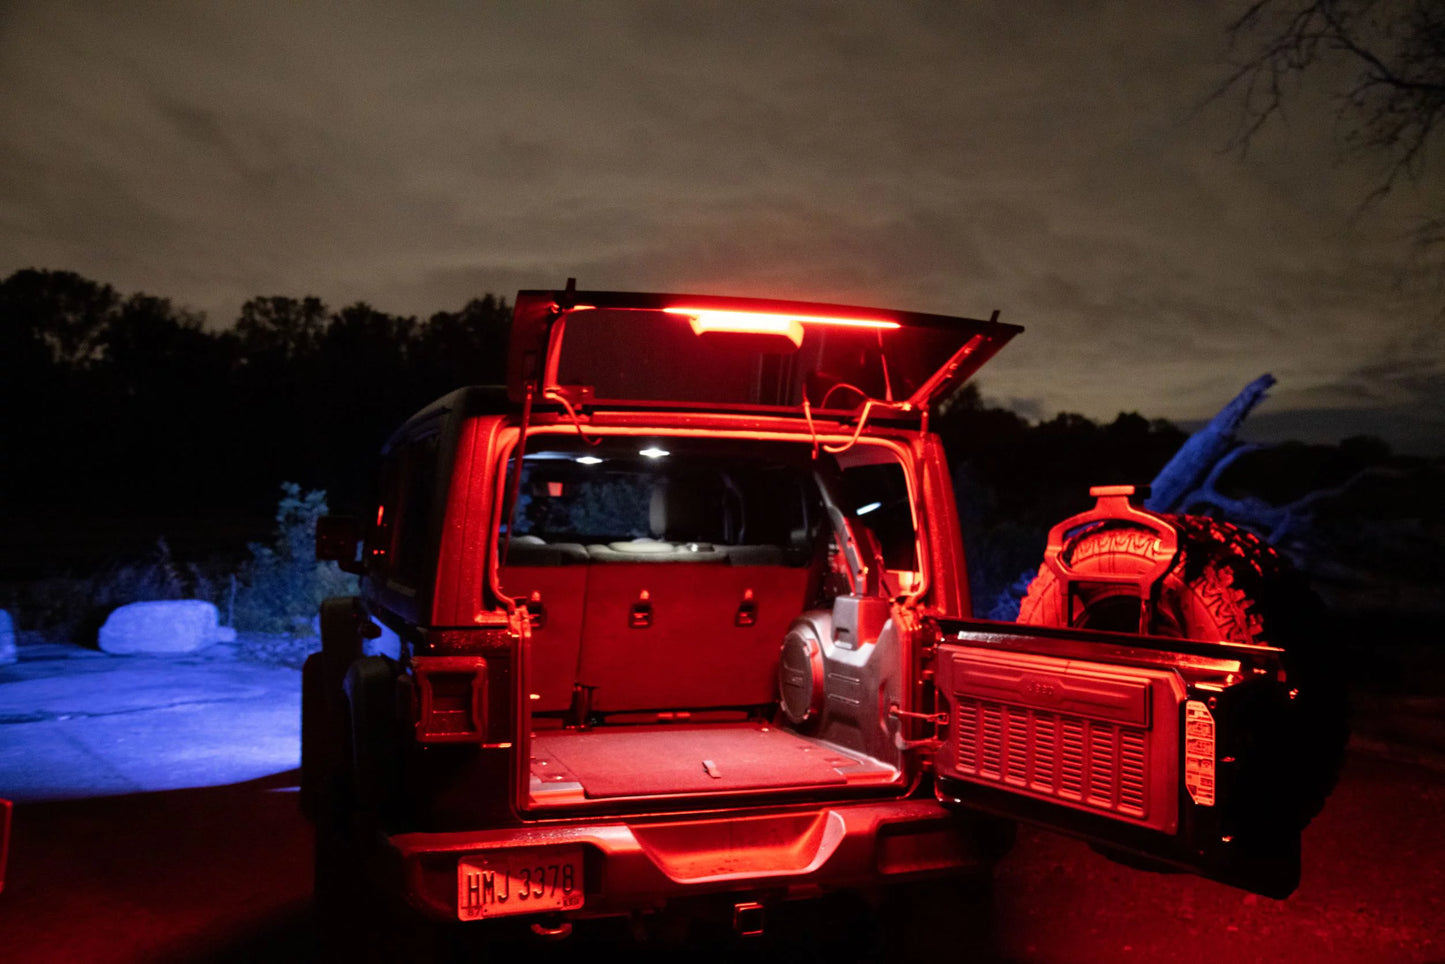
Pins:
x: 647, y: 551
x: 711, y: 638
x: 693, y: 634
x: 556, y: 574
x: 681, y: 619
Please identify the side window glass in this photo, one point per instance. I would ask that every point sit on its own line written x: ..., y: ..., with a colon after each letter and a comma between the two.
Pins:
x: 397, y: 546
x: 379, y: 541
x: 418, y: 494
x: 879, y: 497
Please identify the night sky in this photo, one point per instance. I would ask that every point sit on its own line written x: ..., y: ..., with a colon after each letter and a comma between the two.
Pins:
x: 1057, y: 161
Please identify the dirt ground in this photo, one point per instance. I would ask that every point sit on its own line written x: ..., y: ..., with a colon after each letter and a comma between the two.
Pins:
x: 223, y: 873
x: 1372, y: 889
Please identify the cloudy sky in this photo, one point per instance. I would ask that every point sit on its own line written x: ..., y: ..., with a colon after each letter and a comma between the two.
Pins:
x: 1051, y: 160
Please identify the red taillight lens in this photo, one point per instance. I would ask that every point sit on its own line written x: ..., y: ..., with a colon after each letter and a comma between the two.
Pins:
x: 451, y: 698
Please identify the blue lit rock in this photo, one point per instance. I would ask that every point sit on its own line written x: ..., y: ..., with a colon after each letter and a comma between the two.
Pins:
x: 7, y: 638
x: 170, y: 626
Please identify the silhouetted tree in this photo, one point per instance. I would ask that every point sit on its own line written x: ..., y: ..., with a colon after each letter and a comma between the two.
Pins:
x: 1393, y: 53
x: 1014, y: 480
x: 130, y: 408
x: 467, y: 347
x: 288, y: 328
x: 163, y: 394
x: 57, y: 311
x: 52, y: 330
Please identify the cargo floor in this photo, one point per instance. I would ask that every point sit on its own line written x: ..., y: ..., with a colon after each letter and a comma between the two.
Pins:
x: 668, y: 759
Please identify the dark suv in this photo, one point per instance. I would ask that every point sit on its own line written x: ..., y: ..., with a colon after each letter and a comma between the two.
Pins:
x: 679, y: 626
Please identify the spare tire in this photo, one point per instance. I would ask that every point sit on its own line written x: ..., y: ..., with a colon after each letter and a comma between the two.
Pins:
x: 1226, y: 584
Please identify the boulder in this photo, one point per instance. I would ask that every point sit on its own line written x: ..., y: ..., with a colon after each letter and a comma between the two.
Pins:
x: 8, y: 652
x: 169, y: 626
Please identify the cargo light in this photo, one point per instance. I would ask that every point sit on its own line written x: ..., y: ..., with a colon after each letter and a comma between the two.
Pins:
x: 707, y: 320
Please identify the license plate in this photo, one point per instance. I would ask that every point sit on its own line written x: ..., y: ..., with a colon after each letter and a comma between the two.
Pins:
x: 521, y: 881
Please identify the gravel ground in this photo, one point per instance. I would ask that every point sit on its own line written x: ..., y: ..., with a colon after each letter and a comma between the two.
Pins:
x: 276, y: 649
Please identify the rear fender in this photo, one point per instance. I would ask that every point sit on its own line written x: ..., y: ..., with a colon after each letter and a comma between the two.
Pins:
x: 345, y: 625
x: 375, y: 732
x: 325, y: 713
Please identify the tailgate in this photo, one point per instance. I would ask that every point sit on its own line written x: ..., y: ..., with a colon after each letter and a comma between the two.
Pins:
x: 1169, y: 749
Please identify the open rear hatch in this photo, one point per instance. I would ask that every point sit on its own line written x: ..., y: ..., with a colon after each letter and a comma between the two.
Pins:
x: 711, y: 353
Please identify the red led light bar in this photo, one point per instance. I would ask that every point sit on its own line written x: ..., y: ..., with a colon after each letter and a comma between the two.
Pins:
x: 791, y: 326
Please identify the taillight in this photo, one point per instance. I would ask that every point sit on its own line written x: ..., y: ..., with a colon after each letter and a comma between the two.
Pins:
x: 451, y: 698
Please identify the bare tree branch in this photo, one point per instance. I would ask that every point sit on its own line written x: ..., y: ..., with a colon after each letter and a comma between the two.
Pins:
x: 1395, y: 104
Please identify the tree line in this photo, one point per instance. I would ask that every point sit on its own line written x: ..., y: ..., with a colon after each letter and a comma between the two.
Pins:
x: 128, y: 408
x: 124, y: 407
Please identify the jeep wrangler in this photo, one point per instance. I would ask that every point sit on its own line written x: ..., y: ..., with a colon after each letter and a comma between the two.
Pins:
x: 678, y: 624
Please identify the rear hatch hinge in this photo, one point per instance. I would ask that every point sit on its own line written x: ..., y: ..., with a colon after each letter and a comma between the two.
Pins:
x: 929, y: 743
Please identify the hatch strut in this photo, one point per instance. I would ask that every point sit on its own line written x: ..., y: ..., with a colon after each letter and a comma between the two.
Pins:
x: 813, y: 432
x: 514, y: 484
x: 883, y: 362
x: 564, y: 304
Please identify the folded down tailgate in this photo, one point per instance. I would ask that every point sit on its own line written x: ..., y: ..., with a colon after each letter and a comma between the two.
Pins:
x: 1094, y: 737
x: 1166, y: 749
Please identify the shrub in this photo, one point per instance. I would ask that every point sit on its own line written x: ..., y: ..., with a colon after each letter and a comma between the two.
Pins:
x: 283, y: 584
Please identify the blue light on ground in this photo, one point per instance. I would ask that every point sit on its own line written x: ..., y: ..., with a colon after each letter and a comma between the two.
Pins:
x: 77, y: 723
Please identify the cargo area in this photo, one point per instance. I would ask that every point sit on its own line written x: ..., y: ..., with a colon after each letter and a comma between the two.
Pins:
x: 665, y: 679
x: 570, y: 766
x: 666, y: 593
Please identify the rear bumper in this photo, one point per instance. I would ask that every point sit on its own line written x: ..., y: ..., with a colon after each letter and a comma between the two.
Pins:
x: 643, y: 865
